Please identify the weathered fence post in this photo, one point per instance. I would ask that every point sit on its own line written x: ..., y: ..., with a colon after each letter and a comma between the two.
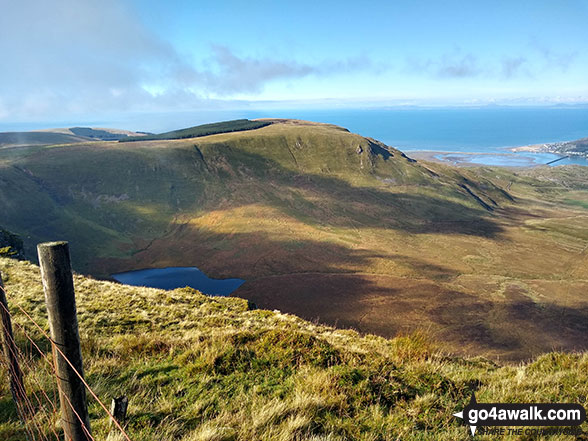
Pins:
x: 63, y: 323
x: 9, y: 348
x: 118, y: 409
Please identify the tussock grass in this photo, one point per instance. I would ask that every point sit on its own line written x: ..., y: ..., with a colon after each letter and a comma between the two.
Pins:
x: 208, y: 368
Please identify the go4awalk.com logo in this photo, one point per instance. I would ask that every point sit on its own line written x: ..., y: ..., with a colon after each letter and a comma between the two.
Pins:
x: 490, y: 416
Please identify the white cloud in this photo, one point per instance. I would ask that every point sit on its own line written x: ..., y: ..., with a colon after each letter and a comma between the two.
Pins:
x: 67, y: 57
x: 447, y: 65
x: 458, y: 66
x: 511, y: 66
x: 242, y: 74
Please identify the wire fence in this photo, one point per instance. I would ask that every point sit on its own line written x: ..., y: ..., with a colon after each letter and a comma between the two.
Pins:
x: 29, y: 360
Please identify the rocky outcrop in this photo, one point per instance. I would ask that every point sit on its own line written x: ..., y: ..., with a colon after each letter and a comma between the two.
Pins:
x: 11, y: 245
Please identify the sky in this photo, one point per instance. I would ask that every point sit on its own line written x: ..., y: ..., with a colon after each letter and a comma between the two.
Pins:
x: 81, y: 60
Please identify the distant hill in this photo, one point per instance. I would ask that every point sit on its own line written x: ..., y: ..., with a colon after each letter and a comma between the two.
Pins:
x: 102, y: 134
x: 326, y: 224
x: 81, y: 134
x: 237, y: 125
x: 63, y: 136
x: 37, y: 138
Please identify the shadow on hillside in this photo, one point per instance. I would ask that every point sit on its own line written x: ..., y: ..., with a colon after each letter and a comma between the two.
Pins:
x: 329, y: 200
x: 320, y: 201
x: 94, y: 197
x: 517, y: 328
x: 256, y: 254
x: 513, y: 330
x: 321, y: 280
x: 327, y: 282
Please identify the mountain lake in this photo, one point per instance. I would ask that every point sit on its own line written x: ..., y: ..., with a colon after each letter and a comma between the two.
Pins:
x: 178, y: 277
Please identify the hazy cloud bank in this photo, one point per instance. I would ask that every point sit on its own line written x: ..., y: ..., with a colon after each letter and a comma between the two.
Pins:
x: 69, y: 58
x: 457, y: 64
x: 86, y: 56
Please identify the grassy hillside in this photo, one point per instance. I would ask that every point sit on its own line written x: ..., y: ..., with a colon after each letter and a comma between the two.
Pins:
x: 316, y: 174
x: 328, y: 225
x: 237, y: 125
x: 200, y: 368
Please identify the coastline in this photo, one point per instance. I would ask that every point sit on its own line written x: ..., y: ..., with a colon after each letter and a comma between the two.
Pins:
x: 479, y: 159
x: 535, y: 148
x: 432, y: 156
x: 514, y: 157
x: 575, y: 148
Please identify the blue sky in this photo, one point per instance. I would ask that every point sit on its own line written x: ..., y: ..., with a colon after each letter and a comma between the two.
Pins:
x: 84, y: 59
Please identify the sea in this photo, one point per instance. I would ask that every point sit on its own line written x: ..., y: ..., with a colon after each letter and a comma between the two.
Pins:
x: 480, y: 135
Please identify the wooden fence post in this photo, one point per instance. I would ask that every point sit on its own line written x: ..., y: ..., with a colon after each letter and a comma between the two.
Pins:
x: 9, y: 348
x: 63, y: 323
x: 118, y: 409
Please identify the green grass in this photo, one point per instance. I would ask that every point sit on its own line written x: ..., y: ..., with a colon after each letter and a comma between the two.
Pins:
x: 237, y: 125
x: 574, y: 202
x: 208, y: 368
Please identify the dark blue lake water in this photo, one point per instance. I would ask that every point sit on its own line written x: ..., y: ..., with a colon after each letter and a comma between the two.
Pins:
x: 179, y: 277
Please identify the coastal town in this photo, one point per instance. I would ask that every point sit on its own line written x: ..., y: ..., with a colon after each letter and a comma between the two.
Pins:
x: 567, y: 148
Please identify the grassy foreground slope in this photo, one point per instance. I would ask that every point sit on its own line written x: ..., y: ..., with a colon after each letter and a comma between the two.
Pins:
x: 200, y: 368
x: 327, y: 225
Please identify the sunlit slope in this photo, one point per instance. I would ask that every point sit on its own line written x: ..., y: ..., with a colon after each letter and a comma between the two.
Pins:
x: 328, y: 225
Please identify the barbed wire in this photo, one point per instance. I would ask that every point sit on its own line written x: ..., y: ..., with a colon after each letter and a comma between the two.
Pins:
x: 28, y: 411
x: 25, y: 406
